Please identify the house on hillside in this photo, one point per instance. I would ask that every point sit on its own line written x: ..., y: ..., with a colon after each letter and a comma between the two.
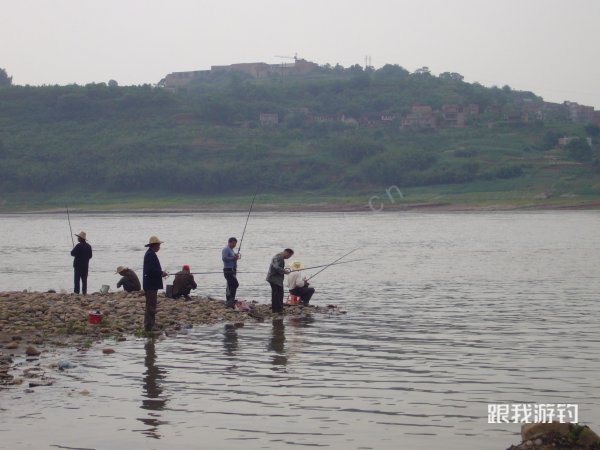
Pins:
x: 579, y: 113
x: 269, y: 119
x: 420, y: 117
x: 566, y: 140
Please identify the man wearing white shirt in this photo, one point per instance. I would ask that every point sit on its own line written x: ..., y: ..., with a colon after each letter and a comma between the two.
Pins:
x: 297, y: 285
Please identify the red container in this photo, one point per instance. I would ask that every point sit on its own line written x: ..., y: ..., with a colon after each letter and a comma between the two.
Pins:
x: 94, y: 317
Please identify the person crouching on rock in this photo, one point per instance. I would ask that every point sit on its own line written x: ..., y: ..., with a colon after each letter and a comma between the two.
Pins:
x: 129, y: 280
x: 153, y: 275
x: 183, y: 283
x: 297, y: 285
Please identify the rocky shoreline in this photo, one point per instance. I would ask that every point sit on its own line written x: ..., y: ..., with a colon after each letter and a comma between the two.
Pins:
x: 33, y: 321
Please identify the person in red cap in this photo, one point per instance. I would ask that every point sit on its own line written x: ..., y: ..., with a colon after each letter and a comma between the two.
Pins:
x: 183, y: 283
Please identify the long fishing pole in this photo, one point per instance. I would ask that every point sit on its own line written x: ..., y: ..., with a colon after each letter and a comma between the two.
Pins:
x: 307, y: 268
x: 70, y: 229
x: 334, y: 262
x: 330, y: 264
x: 246, y: 224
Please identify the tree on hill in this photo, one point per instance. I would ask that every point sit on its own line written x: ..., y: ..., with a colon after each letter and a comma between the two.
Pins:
x: 579, y: 150
x: 5, y: 80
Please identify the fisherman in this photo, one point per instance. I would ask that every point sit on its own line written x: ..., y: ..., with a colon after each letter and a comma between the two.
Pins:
x: 297, y: 285
x: 82, y: 253
x: 153, y: 275
x: 275, y: 275
x: 183, y: 283
x: 230, y: 259
x: 129, y: 280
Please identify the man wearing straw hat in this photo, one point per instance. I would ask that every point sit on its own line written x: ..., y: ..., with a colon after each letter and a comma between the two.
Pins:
x: 297, y: 285
x: 153, y: 275
x: 129, y: 280
x: 82, y: 254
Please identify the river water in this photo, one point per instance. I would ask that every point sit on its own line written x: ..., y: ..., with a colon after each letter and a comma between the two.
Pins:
x: 451, y: 312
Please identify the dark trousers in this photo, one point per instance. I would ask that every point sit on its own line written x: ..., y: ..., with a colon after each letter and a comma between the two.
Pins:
x: 276, y: 297
x: 80, y: 275
x: 150, y: 314
x: 305, y: 294
x: 232, y: 285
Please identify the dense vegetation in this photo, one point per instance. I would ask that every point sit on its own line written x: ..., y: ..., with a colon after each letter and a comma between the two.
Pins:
x: 207, y: 139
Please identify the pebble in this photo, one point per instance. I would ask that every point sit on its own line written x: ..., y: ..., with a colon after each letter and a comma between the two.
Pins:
x: 108, y: 351
x: 538, y: 442
x: 32, y: 351
x: 12, y: 345
x: 64, y: 365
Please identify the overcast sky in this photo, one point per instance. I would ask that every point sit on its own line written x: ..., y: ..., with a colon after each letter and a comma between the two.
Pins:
x: 545, y: 46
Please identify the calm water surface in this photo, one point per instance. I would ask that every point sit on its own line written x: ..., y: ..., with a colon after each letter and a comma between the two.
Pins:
x: 451, y: 312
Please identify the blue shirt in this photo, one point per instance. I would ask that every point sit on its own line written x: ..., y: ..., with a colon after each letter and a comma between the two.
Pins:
x: 228, y: 257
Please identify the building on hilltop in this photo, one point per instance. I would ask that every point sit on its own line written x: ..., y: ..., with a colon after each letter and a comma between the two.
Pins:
x: 300, y: 67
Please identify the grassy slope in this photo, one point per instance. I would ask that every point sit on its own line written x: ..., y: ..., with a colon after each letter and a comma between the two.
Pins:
x: 305, y: 169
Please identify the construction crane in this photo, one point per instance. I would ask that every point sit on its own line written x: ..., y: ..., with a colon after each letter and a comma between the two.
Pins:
x: 295, y: 57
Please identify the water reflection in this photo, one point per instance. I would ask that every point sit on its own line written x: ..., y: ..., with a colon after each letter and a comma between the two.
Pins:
x: 301, y: 321
x: 230, y: 340
x: 153, y: 402
x: 277, y: 343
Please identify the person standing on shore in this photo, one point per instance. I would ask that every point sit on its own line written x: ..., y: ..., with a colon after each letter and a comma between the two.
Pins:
x: 297, y: 285
x: 129, y: 280
x: 275, y: 276
x: 152, y: 281
x: 82, y: 254
x: 230, y: 259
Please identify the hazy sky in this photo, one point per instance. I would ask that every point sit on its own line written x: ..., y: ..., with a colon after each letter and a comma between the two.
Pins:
x: 545, y: 46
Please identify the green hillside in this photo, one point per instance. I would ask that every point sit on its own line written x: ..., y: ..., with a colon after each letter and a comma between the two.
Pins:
x: 341, y: 136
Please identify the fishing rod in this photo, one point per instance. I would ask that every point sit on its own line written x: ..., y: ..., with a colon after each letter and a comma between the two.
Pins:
x: 220, y: 272
x: 330, y: 264
x: 70, y: 229
x: 334, y: 262
x: 247, y: 218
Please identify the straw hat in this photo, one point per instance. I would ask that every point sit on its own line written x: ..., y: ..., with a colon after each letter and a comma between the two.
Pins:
x: 81, y: 235
x: 297, y: 265
x: 153, y: 240
x: 120, y: 269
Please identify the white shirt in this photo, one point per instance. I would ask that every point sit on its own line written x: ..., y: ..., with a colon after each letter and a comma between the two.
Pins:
x: 295, y: 280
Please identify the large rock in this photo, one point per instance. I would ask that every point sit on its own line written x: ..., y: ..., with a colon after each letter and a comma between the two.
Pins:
x: 563, y: 436
x: 530, y: 431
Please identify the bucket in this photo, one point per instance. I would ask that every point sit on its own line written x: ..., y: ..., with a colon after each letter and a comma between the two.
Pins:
x: 169, y: 291
x: 104, y: 289
x: 94, y: 317
x: 293, y: 299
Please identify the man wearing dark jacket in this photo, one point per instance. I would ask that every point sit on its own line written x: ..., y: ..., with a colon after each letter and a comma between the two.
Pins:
x: 129, y: 280
x: 82, y: 254
x: 275, y: 278
x: 183, y: 283
x: 153, y: 275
